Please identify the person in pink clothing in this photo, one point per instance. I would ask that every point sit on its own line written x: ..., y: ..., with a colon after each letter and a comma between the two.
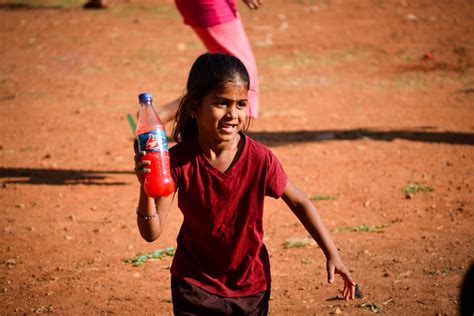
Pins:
x: 218, y: 25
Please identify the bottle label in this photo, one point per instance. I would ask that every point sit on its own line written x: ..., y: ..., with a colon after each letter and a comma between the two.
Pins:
x: 153, y: 141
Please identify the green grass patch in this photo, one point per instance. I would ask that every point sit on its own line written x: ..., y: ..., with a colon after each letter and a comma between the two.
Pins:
x: 91, y: 70
x: 127, y: 9
x: 301, y: 59
x: 296, y: 242
x: 416, y: 187
x: 360, y: 228
x: 29, y: 148
x: 149, y: 58
x: 322, y: 198
x: 140, y: 259
x: 410, y: 80
x: 445, y: 271
x: 375, y: 307
x: 345, y: 55
x: 313, y: 2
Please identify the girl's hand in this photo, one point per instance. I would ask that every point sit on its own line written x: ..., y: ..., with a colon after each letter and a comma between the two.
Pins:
x: 335, y: 266
x: 140, y: 165
x: 253, y: 4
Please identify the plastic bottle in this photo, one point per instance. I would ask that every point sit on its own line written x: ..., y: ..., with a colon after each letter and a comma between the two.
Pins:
x: 151, y: 137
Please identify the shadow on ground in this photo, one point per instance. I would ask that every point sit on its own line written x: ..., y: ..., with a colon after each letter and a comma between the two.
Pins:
x: 58, y: 176
x: 28, y: 6
x: 95, y: 177
x: 282, y: 138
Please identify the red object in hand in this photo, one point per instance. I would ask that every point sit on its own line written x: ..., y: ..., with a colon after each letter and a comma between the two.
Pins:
x: 152, y: 139
x: 158, y: 182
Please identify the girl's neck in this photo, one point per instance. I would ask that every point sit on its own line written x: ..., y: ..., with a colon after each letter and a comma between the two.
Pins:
x: 224, y: 155
x: 213, y: 150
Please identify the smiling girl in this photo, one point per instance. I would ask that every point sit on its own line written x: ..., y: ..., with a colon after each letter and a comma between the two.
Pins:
x: 221, y: 265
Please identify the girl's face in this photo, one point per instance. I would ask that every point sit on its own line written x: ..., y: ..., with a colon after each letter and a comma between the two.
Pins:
x: 222, y: 113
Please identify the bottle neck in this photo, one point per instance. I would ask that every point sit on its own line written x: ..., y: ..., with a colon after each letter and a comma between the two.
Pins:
x: 147, y: 118
x: 147, y: 103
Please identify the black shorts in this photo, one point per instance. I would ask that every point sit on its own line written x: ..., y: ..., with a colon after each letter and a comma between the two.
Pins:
x: 189, y: 299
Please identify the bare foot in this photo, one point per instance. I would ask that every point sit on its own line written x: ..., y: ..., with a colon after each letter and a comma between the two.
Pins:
x: 95, y: 4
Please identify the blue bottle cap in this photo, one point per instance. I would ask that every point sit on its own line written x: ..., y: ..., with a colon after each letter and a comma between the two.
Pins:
x: 145, y: 97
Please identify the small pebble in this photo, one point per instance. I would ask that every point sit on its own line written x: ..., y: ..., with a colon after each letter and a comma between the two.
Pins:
x: 358, y: 292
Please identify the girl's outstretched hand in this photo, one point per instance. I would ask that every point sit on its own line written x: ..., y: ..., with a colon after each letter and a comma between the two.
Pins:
x: 253, y: 4
x: 335, y: 266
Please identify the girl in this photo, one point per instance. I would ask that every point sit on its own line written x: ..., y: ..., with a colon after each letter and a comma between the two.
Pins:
x: 221, y: 265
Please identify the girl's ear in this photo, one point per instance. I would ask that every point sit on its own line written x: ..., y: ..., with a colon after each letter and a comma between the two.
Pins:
x: 193, y: 109
x: 192, y: 112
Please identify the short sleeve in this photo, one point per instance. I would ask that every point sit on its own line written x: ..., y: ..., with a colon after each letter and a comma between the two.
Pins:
x: 276, y: 177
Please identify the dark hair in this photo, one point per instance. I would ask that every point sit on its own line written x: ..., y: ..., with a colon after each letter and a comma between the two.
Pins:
x: 466, y: 305
x: 208, y: 73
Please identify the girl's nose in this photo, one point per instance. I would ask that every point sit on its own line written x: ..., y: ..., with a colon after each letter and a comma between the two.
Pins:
x: 232, y: 110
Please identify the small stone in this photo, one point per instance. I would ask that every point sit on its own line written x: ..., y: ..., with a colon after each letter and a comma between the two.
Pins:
x: 411, y: 17
x: 358, y: 292
x: 283, y: 26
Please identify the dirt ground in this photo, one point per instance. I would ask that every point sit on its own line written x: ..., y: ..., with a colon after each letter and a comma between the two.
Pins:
x: 360, y: 99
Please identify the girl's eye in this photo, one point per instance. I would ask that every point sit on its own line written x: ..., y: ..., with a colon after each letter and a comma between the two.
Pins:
x: 242, y: 104
x: 220, y: 105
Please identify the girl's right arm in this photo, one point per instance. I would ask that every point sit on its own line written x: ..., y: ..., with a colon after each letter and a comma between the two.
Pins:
x: 151, y: 214
x: 306, y: 212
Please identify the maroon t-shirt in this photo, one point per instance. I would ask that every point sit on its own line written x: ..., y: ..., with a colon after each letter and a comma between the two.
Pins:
x: 220, y: 247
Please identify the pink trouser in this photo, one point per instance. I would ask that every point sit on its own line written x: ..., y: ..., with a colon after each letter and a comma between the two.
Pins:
x: 230, y: 38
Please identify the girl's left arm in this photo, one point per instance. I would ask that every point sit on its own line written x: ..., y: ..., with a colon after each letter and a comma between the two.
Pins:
x: 306, y: 212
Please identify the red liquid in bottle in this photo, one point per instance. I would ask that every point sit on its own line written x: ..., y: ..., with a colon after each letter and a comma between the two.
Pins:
x: 158, y: 182
x: 152, y: 139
